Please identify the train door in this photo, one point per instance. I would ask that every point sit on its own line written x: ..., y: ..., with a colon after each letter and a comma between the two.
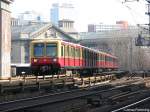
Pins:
x: 106, y: 60
x: 75, y: 56
x: 71, y: 59
x: 111, y: 62
x: 103, y: 61
x: 66, y: 56
x: 62, y: 56
x: 73, y: 50
x: 70, y: 56
x: 68, y: 48
x: 83, y: 57
x: 80, y: 57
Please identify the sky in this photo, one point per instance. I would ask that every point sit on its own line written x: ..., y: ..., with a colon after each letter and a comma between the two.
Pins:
x: 89, y: 11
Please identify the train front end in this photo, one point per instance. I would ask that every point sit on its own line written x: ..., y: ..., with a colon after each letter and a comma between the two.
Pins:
x: 44, y: 57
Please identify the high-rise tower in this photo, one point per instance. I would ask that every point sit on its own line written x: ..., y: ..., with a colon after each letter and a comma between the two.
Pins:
x: 55, y: 14
x: 61, y: 11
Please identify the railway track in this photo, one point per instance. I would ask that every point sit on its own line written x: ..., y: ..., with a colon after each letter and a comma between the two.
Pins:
x: 13, y: 91
x: 40, y: 83
x: 80, y: 95
x: 52, y: 99
x: 142, y: 104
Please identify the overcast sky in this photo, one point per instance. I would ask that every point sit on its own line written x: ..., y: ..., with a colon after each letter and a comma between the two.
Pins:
x: 89, y: 11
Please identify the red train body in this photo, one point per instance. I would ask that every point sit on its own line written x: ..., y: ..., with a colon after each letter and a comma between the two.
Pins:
x: 53, y: 56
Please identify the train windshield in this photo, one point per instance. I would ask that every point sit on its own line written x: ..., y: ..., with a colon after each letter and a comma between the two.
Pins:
x: 51, y: 49
x: 38, y: 49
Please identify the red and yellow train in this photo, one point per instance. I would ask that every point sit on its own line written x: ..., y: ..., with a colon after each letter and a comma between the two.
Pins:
x: 54, y: 56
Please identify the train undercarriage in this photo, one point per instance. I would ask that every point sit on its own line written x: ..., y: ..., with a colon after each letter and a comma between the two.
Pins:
x: 57, y: 70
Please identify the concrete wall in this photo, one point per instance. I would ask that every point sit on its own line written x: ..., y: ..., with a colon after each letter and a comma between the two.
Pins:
x: 5, y: 43
x: 20, y: 51
x: 16, y: 52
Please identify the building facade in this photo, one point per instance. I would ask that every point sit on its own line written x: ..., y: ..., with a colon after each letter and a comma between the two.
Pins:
x: 120, y: 25
x: 120, y: 42
x: 68, y: 26
x: 23, y: 35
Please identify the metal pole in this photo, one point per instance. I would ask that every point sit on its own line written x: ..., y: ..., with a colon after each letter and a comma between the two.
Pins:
x: 149, y: 16
x: 131, y: 49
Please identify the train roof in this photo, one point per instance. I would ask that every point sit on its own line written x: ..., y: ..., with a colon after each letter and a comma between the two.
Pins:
x: 73, y: 44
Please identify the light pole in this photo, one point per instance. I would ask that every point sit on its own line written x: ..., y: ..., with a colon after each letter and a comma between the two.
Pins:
x: 148, y: 13
x: 131, y: 51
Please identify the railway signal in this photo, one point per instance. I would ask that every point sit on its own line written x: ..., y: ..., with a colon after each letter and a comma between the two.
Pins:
x: 142, y: 41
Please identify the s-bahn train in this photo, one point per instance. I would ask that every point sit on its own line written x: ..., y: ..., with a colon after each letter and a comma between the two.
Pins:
x: 55, y: 56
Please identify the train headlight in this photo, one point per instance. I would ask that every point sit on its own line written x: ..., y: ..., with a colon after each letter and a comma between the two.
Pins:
x: 35, y: 60
x: 54, y: 59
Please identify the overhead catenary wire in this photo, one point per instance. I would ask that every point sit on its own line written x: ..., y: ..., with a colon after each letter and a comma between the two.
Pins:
x: 134, y: 14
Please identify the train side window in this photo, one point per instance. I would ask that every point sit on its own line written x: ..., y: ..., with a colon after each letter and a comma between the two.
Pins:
x: 69, y: 51
x: 104, y: 59
x: 110, y: 59
x: 83, y: 55
x: 100, y: 57
x: 62, y: 50
x: 51, y: 49
x: 66, y: 51
x: 87, y: 54
x: 73, y: 50
x: 78, y: 51
x: 38, y: 49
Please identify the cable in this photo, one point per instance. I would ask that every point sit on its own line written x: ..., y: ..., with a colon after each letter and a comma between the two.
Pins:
x: 132, y: 12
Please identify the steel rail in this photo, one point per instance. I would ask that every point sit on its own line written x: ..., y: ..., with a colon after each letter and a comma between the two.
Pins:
x: 131, y: 105
x: 49, y: 99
